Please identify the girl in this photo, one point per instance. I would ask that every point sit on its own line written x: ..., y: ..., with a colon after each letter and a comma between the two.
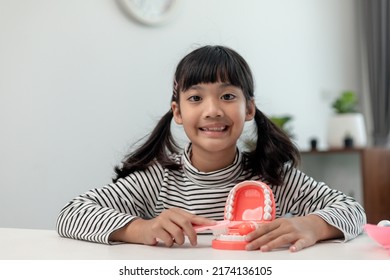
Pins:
x: 160, y: 191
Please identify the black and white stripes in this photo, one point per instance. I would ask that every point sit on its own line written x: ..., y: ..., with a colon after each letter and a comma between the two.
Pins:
x: 94, y: 215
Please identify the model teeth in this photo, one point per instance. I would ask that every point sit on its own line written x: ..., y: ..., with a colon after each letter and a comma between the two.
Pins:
x: 249, y: 204
x: 229, y: 209
x: 266, y: 210
x: 267, y: 216
x: 231, y: 237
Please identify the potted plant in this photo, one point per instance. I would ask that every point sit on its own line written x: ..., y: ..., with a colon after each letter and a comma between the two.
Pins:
x: 346, y: 127
x: 283, y: 123
x: 346, y: 103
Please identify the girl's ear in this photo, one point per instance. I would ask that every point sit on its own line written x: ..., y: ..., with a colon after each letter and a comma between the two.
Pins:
x: 176, y: 112
x: 250, y: 110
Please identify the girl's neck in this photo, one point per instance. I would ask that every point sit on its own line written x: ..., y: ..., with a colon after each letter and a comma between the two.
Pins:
x: 205, y: 161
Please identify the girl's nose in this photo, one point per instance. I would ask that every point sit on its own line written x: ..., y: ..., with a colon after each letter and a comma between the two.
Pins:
x: 212, y: 109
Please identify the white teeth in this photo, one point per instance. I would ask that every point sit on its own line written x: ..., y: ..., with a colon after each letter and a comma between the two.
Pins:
x: 213, y: 128
x: 226, y: 237
x: 267, y: 209
x: 267, y: 216
x: 229, y: 209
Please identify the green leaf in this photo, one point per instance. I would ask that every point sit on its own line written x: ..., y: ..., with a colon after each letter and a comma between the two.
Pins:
x: 346, y: 103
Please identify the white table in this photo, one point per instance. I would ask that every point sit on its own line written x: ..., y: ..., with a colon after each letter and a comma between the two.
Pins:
x: 31, y: 244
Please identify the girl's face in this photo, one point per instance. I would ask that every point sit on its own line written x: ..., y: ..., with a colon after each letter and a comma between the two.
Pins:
x: 213, y: 116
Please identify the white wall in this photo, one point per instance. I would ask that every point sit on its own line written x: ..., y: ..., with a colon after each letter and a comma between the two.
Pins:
x: 80, y: 81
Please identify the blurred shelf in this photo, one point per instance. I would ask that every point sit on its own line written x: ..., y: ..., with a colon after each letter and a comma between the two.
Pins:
x: 374, y: 172
x: 334, y: 151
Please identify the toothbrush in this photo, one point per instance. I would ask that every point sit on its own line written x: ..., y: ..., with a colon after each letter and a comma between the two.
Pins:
x: 220, y: 226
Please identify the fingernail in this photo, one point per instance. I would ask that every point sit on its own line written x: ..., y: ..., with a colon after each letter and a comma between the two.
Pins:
x: 293, y: 249
x: 248, y: 238
x: 264, y: 248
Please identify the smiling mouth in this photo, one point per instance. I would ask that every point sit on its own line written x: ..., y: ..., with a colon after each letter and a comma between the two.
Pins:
x: 214, y: 129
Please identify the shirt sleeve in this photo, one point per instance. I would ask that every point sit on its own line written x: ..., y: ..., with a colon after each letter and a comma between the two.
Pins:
x: 301, y: 195
x: 94, y: 215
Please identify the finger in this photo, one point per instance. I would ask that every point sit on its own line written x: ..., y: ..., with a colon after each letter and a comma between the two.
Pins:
x: 195, y: 219
x: 180, y: 225
x: 257, y: 243
x: 280, y: 242
x: 167, y: 227
x: 262, y: 230
x: 175, y: 232
x: 178, y: 236
x: 165, y: 237
x: 168, y: 232
x: 202, y: 221
x: 186, y: 220
x: 152, y: 242
x: 186, y: 228
x: 269, y: 242
x: 298, y: 245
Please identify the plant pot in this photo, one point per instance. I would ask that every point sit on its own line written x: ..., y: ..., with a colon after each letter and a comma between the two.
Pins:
x: 346, y: 128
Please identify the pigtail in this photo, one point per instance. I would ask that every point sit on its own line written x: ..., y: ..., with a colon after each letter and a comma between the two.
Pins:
x: 273, y: 150
x: 157, y: 147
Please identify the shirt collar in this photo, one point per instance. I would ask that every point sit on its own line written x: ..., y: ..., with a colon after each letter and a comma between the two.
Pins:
x: 217, y: 178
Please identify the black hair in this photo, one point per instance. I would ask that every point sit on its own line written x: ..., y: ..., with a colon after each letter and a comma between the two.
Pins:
x: 209, y: 64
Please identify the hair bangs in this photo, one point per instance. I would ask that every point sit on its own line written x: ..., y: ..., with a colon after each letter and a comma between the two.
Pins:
x: 213, y: 64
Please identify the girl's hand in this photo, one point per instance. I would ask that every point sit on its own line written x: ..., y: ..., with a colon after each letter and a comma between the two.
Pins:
x: 171, y: 226
x: 296, y: 233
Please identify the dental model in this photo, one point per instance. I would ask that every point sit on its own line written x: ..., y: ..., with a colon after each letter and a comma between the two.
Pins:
x: 248, y: 205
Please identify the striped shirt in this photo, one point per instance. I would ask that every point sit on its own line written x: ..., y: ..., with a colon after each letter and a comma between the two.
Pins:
x: 94, y: 215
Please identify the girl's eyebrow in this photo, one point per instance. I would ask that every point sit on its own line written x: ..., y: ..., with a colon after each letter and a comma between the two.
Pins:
x: 225, y: 85
x: 222, y: 85
x: 196, y: 87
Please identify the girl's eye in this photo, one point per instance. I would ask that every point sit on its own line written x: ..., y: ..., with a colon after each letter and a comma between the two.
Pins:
x: 228, y: 96
x: 194, y: 98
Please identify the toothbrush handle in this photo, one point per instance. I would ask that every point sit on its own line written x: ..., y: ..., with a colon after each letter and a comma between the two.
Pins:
x: 220, y: 224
